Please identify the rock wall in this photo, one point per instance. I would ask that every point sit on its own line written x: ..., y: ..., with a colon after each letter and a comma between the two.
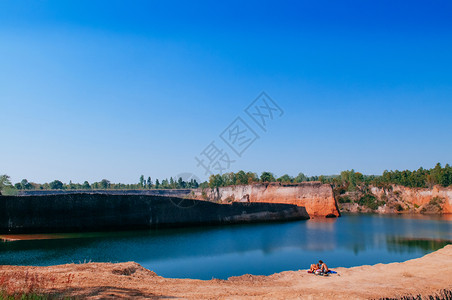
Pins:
x: 396, y: 199
x: 317, y: 198
x: 96, y: 212
x: 418, y: 199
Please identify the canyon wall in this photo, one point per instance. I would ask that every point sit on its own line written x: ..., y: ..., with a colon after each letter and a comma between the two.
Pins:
x: 317, y: 198
x: 435, y: 200
x: 397, y: 199
x: 96, y: 212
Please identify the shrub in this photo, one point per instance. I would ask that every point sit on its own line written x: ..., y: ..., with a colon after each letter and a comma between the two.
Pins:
x: 370, y: 201
x: 344, y: 199
x: 436, y: 201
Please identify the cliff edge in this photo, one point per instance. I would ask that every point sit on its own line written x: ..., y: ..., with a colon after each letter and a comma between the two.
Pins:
x: 317, y: 198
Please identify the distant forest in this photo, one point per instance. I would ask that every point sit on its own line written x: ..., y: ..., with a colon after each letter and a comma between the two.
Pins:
x: 104, y: 184
x: 424, y: 178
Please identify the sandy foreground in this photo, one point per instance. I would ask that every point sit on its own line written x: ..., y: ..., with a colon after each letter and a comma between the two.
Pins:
x: 426, y: 275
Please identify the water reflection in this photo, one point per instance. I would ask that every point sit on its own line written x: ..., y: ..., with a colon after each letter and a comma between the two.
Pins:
x: 320, y: 234
x: 256, y: 248
x: 410, y: 245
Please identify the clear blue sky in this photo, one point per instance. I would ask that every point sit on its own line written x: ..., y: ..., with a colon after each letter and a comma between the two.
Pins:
x: 115, y: 89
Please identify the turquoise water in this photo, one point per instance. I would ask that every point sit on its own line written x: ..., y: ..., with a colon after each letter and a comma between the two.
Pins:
x: 260, y: 249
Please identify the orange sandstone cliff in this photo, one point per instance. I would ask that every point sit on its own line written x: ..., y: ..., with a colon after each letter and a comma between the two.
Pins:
x: 395, y: 199
x: 317, y: 198
x: 423, y: 200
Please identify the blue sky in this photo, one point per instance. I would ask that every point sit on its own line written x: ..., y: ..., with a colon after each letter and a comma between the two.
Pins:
x: 115, y: 89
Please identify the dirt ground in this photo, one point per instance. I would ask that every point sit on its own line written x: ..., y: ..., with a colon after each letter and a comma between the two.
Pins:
x: 426, y: 275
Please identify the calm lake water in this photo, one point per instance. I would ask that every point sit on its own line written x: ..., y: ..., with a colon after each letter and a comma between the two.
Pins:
x: 259, y: 249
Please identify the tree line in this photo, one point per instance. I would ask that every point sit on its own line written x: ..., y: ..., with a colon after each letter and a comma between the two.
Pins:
x: 423, y: 178
x: 104, y: 184
x: 241, y: 177
x: 348, y: 180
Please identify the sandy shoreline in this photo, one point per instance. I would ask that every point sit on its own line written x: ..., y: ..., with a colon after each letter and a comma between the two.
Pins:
x: 425, y: 275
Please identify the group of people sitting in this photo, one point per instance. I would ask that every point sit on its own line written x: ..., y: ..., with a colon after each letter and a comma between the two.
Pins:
x: 319, y: 269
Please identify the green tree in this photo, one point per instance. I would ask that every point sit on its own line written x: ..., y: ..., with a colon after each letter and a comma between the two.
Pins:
x: 86, y: 185
x: 157, y: 184
x: 142, y: 182
x: 285, y: 179
x: 215, y: 181
x: 171, y: 183
x: 267, y: 177
x: 149, y: 182
x: 104, y: 184
x: 181, y: 184
x: 436, y: 173
x: 194, y: 184
x: 4, y: 182
x: 56, y: 185
x: 72, y: 186
x: 204, y: 185
x: 446, y: 178
x: 252, y: 177
x: 241, y: 177
x: 300, y: 178
x: 165, y: 184
x: 25, y: 185
x: 230, y: 178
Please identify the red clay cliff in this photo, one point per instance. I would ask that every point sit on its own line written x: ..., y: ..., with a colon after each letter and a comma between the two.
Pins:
x: 317, y: 198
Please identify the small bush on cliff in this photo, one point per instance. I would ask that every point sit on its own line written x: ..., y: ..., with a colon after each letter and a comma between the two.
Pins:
x: 344, y: 199
x: 370, y: 201
x: 437, y: 201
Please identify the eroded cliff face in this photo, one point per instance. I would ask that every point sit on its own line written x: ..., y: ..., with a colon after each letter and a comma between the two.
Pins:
x: 400, y: 199
x: 423, y: 200
x: 317, y: 198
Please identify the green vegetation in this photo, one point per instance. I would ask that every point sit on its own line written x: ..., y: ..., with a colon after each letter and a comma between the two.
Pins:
x: 370, y: 201
x: 4, y: 182
x: 436, y: 202
x: 344, y: 199
x: 347, y: 181
x: 241, y: 177
x: 104, y: 184
x: 423, y: 178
